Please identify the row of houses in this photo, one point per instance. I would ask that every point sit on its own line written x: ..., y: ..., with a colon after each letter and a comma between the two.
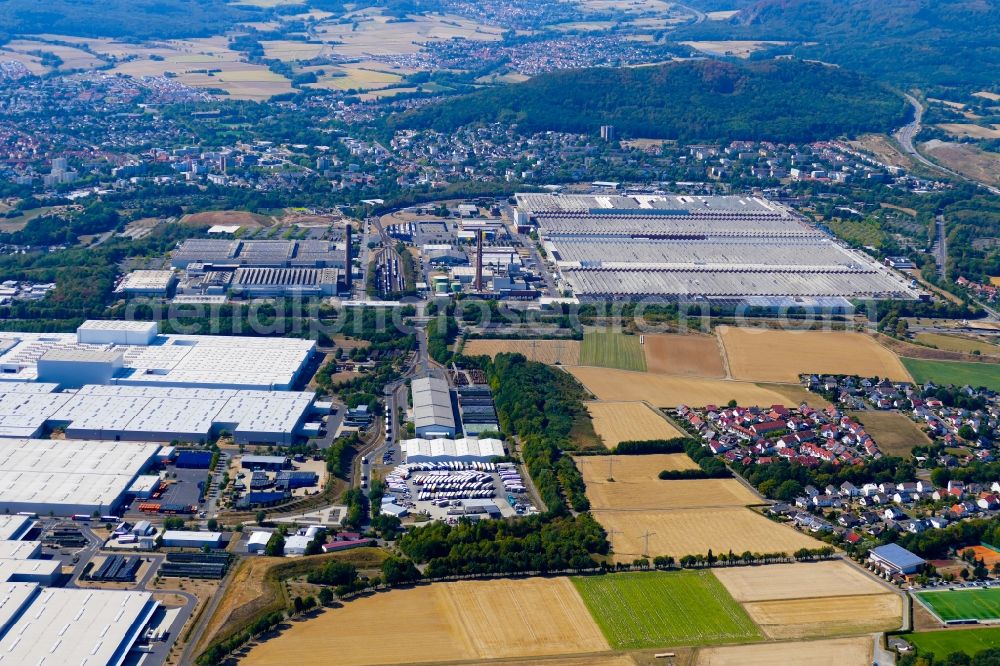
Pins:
x: 763, y: 435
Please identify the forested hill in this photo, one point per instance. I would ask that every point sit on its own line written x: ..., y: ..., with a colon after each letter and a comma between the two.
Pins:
x: 702, y: 100
x: 907, y: 42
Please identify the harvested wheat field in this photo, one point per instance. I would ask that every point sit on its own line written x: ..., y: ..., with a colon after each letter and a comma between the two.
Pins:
x: 831, y: 578
x: 590, y: 660
x: 636, y: 485
x: 836, y: 652
x: 765, y: 355
x: 833, y: 616
x: 693, y: 531
x: 617, y: 422
x: 444, y: 622
x: 685, y: 355
x: 668, y: 391
x: 563, y: 352
x: 632, y: 469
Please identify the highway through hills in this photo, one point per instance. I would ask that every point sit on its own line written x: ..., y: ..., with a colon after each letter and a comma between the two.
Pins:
x: 906, y: 135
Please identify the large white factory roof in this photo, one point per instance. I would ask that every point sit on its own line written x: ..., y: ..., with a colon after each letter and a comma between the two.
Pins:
x: 13, y: 598
x: 14, y: 527
x: 165, y: 360
x: 49, y: 474
x: 452, y: 449
x: 68, y: 626
x: 431, y: 403
x: 146, y: 281
x: 675, y: 203
x: 685, y: 247
x: 150, y: 412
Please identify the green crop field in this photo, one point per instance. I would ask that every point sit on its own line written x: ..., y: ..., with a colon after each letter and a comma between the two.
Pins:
x: 953, y: 372
x: 964, y: 604
x: 943, y: 643
x: 612, y: 350
x: 661, y: 609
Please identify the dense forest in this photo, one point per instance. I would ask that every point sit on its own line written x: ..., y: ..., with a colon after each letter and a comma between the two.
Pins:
x: 705, y: 100
x: 128, y: 19
x: 907, y: 42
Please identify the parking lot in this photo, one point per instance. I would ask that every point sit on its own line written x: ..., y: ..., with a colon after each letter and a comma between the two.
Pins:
x: 449, y: 491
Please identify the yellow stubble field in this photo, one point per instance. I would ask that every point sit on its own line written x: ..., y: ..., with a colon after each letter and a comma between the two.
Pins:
x: 831, y: 578
x: 831, y: 616
x: 815, y: 599
x: 617, y: 422
x: 466, y: 620
x: 834, y: 652
x: 670, y: 391
x: 688, y: 355
x: 765, y: 355
x: 563, y: 352
x: 680, y: 532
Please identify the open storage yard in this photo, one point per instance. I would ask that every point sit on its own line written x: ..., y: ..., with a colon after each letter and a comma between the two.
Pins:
x: 954, y: 372
x: 834, y: 652
x: 656, y: 608
x: 681, y: 532
x: 686, y: 355
x: 949, y: 605
x: 765, y: 355
x: 617, y: 422
x: 610, y: 349
x: 667, y: 391
x: 895, y: 433
x: 563, y: 352
x: 467, y: 620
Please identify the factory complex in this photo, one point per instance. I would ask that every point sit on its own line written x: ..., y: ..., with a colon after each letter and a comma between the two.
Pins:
x: 41, y: 624
x: 68, y: 477
x: 133, y: 353
x: 718, y: 248
x: 154, y: 413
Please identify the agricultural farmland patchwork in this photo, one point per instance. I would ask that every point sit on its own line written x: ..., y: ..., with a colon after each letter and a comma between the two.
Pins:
x: 832, y: 616
x: 766, y: 355
x: 684, y: 355
x: 831, y: 578
x: 963, y: 604
x: 611, y: 349
x: 954, y: 372
x: 617, y: 422
x: 834, y: 652
x: 466, y: 620
x: 669, y: 391
x: 563, y: 352
x: 656, y: 608
x: 681, y: 532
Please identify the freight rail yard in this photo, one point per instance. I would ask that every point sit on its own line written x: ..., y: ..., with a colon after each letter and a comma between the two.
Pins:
x: 715, y: 248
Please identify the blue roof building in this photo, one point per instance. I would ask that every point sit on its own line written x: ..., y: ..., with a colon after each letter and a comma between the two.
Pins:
x: 894, y: 559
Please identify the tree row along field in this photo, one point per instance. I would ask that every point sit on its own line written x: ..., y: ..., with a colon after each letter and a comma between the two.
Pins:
x: 472, y: 621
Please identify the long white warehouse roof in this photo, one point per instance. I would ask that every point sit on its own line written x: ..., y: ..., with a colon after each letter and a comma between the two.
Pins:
x: 79, y: 627
x: 166, y: 360
x: 467, y: 447
x: 53, y: 473
x: 150, y: 412
x: 431, y: 403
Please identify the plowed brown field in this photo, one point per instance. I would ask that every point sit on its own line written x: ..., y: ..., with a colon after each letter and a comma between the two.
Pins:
x: 687, y: 355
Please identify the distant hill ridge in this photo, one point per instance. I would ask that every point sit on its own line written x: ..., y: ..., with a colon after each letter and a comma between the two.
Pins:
x: 701, y: 100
